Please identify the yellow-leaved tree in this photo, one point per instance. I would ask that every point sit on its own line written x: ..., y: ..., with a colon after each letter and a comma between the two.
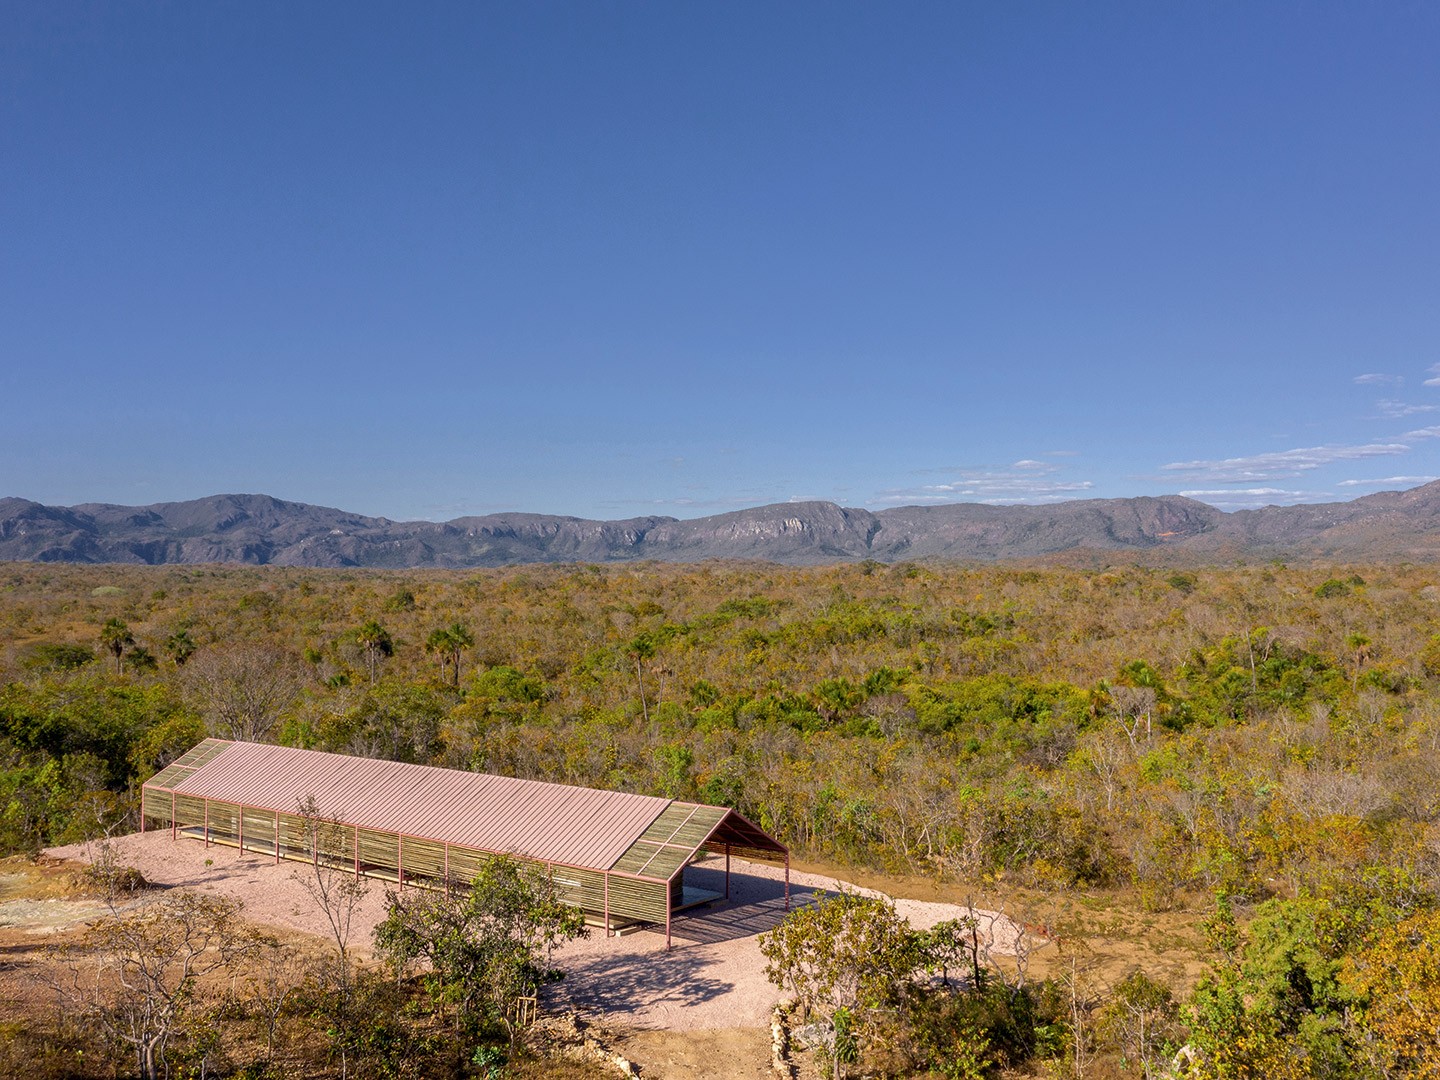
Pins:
x: 1399, y: 974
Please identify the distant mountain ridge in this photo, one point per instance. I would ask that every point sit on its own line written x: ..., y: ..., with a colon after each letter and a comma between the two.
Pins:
x: 259, y: 529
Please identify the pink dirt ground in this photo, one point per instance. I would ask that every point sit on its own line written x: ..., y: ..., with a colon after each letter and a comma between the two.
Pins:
x: 713, y: 978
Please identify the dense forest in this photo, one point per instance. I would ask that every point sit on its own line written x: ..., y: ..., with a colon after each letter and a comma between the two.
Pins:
x: 1264, y: 737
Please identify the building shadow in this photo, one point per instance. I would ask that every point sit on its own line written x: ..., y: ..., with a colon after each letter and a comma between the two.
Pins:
x: 615, y: 982
x: 756, y: 904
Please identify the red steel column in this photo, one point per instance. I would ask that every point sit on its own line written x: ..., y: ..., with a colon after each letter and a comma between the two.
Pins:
x: 787, y: 881
x: 277, y: 837
x: 357, y: 852
x: 400, y: 859
x: 207, y: 823
x: 172, y: 815
x: 607, y: 903
x: 727, y: 871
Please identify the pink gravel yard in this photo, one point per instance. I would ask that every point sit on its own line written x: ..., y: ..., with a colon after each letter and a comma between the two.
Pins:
x: 713, y: 979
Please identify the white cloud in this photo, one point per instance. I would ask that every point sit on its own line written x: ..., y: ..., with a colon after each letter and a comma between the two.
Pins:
x: 1250, y: 498
x: 1423, y: 433
x: 1201, y: 492
x: 1434, y: 379
x: 1374, y: 377
x: 1027, y: 481
x: 447, y: 510
x: 1280, y: 464
x: 717, y: 504
x: 1390, y: 482
x: 1396, y: 410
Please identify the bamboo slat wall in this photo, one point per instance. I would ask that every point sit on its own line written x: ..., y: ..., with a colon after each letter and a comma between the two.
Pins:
x: 741, y: 852
x: 643, y: 900
x: 259, y: 830
x: 423, y: 858
x: 379, y: 850
x: 381, y: 854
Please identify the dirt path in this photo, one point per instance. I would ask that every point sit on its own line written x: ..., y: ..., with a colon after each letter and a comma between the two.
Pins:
x: 732, y: 1054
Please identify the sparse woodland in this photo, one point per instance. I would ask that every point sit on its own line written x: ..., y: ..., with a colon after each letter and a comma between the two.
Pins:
x: 1260, y: 740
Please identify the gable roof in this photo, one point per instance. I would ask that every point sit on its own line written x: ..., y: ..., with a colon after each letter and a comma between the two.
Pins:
x: 639, y: 835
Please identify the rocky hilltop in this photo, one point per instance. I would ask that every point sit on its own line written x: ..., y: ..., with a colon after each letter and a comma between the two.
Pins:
x: 258, y: 529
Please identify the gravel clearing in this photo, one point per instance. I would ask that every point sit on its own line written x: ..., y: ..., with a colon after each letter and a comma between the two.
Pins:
x: 713, y: 978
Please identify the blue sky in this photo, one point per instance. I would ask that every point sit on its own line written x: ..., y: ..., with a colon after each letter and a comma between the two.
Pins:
x: 612, y: 259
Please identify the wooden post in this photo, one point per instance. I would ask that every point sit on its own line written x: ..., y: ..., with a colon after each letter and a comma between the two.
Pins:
x: 240, y: 831
x: 607, y: 903
x: 787, y: 880
x: 727, y: 871
x: 172, y: 815
x: 357, y: 852
x: 207, y: 823
x: 668, y: 908
x: 400, y: 859
x: 277, y: 837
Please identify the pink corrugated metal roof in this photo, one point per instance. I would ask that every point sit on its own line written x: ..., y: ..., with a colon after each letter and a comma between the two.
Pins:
x: 577, y: 826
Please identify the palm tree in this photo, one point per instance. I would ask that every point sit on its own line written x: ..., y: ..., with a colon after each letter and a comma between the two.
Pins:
x: 640, y: 650
x: 115, y: 636
x: 375, y: 641
x: 141, y: 659
x: 180, y: 647
x: 1362, y: 649
x: 460, y: 639
x: 439, y: 645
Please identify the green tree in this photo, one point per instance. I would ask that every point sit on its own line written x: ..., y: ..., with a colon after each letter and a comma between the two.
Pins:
x: 848, y: 958
x: 1274, y: 1004
x: 34, y: 804
x: 437, y: 644
x: 391, y: 720
x: 179, y: 646
x: 375, y: 644
x: 460, y: 639
x: 487, y: 945
x: 641, y: 648
x: 56, y: 656
x: 115, y: 637
x: 446, y: 644
x: 1361, y: 649
x: 1141, y: 1020
x: 836, y: 699
x: 142, y: 660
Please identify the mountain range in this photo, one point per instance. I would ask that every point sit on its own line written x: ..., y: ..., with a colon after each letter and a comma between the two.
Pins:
x: 259, y: 529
